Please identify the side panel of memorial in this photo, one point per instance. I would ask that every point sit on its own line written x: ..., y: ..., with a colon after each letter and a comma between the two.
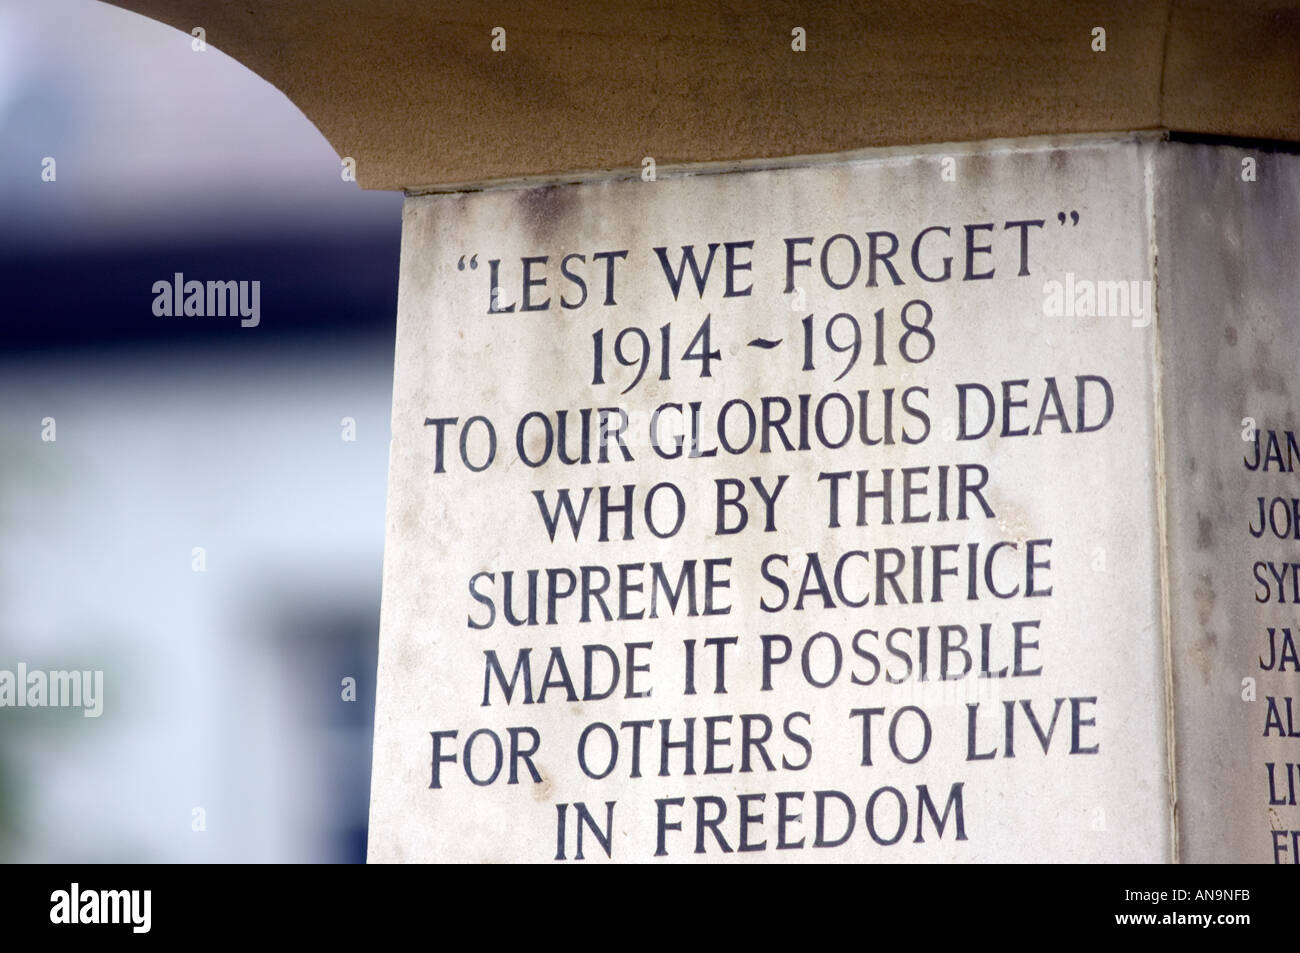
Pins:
x: 1229, y: 246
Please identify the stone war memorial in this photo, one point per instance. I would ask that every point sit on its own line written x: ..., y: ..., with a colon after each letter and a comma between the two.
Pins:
x: 829, y: 434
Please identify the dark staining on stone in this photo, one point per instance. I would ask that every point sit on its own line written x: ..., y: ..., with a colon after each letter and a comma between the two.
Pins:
x: 1204, y: 531
x: 1205, y: 598
x: 1059, y: 160
x: 975, y: 166
x: 544, y: 208
x: 1209, y: 648
x: 1230, y: 335
x: 1264, y: 376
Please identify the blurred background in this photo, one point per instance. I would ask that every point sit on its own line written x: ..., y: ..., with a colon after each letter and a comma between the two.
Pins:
x: 201, y: 528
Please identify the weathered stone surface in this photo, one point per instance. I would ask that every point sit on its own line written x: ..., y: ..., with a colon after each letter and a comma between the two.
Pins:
x: 1229, y: 344
x: 1078, y: 495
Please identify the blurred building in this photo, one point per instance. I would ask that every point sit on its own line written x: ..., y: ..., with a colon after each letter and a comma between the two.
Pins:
x: 206, y: 527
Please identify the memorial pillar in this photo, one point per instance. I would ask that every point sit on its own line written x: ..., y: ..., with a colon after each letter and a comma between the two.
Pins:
x: 819, y: 436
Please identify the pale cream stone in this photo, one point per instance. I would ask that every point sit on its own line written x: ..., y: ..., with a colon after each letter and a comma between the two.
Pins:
x: 1094, y: 495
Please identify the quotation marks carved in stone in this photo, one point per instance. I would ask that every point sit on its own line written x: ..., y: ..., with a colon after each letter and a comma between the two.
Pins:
x: 473, y: 263
x: 1074, y: 217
